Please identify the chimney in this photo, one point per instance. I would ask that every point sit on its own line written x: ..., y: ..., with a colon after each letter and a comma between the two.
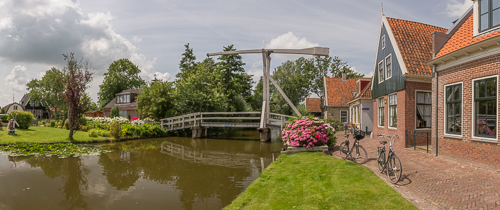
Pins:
x: 344, y: 76
x: 354, y: 93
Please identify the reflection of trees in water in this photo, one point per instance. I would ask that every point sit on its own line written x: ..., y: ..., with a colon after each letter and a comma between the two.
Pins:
x: 72, y: 173
x: 196, y: 181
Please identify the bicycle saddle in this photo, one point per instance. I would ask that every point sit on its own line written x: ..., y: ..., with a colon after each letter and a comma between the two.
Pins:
x: 383, y: 142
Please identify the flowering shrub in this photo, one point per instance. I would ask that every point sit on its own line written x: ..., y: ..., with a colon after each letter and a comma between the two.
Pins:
x: 121, y: 120
x: 308, y: 133
x: 483, y: 127
x: 148, y: 119
x: 135, y: 118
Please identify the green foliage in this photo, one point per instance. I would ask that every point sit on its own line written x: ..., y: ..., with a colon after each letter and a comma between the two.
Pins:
x: 66, y: 124
x: 115, y: 112
x: 122, y: 75
x: 3, y: 110
x: 143, y: 130
x: 93, y: 133
x: 156, y: 100
x: 61, y: 150
x: 5, y: 118
x: 84, y: 128
x: 48, y: 90
x: 115, y: 130
x: 24, y: 119
x: 302, y: 110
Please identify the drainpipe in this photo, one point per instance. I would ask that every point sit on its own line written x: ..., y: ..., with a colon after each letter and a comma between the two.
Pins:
x: 435, y: 110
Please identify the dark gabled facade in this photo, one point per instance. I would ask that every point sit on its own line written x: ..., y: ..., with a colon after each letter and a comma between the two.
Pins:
x: 38, y: 110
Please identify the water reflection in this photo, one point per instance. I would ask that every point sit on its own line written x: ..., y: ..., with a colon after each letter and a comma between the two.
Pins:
x: 137, y: 174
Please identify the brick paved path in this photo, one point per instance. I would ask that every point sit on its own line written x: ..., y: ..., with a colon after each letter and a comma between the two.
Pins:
x: 436, y: 183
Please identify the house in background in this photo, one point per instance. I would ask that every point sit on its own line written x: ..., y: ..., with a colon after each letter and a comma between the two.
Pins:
x: 401, y: 83
x: 126, y: 102
x: 313, y: 106
x: 38, y: 110
x: 338, y: 92
x: 467, y: 61
x: 95, y: 113
x: 13, y: 107
x: 361, y: 106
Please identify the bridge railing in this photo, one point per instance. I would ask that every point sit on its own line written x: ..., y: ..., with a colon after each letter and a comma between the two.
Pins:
x: 279, y: 119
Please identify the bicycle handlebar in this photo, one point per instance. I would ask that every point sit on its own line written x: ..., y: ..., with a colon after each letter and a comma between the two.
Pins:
x: 390, y: 136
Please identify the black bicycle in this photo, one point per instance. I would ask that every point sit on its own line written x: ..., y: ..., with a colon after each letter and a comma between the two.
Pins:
x: 392, y: 163
x: 357, y: 152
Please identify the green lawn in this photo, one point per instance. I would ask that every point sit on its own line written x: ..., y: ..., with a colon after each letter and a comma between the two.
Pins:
x: 318, y: 181
x: 43, y: 135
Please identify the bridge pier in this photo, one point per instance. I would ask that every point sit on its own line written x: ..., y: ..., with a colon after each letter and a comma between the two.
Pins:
x: 265, y: 134
x: 199, y: 132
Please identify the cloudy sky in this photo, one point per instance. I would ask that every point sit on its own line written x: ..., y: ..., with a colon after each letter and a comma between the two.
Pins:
x: 152, y: 33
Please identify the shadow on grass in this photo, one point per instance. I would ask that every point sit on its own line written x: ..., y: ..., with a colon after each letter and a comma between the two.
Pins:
x: 25, y: 129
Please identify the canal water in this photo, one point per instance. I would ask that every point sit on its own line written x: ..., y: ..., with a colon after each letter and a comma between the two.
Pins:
x: 161, y: 173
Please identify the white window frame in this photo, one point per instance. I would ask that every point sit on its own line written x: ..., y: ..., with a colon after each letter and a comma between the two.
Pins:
x: 383, y: 42
x: 385, y: 66
x: 378, y: 111
x: 347, y: 116
x: 381, y: 79
x: 389, y: 110
x: 415, y: 113
x: 445, y: 111
x: 477, y: 138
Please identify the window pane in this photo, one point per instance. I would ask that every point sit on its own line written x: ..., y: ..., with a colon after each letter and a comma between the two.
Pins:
x: 481, y: 109
x: 495, y: 4
x: 481, y: 90
x: 484, y: 6
x: 484, y: 22
x: 458, y: 109
x: 450, y: 110
x: 491, y: 87
x: 496, y: 17
x: 492, y: 108
x: 448, y: 94
x: 457, y: 93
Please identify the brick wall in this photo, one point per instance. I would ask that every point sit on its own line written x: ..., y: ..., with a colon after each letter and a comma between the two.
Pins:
x: 464, y: 149
x: 405, y: 116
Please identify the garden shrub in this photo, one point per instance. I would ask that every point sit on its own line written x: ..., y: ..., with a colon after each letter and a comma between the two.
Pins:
x: 52, y: 123
x: 105, y: 133
x: 93, y: 133
x: 306, y: 132
x: 24, y: 119
x: 66, y: 124
x: 84, y: 128
x: 115, y: 130
x: 5, y: 118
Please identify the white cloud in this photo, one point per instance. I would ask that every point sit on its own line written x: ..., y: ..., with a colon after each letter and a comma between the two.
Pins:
x: 17, y: 78
x: 456, y: 8
x: 289, y: 41
x: 162, y: 76
x: 256, y: 71
x: 41, y: 74
x: 136, y: 39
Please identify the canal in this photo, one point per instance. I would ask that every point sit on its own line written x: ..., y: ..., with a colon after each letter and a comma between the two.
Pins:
x: 161, y: 173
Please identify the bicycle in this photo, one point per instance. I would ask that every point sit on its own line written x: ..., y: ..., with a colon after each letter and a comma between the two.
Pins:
x: 392, y: 163
x: 361, y: 154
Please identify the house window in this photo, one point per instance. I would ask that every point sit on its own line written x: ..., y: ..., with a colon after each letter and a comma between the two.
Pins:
x: 381, y: 71
x: 343, y: 116
x: 393, y: 111
x: 381, y: 111
x: 453, y: 109
x: 388, y: 66
x: 122, y: 114
x: 485, y: 107
x: 123, y: 99
x: 383, y: 42
x: 489, y: 14
x: 424, y: 108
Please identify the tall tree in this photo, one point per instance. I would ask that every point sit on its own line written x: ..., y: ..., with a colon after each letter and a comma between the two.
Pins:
x: 155, y: 100
x: 76, y: 75
x: 48, y: 90
x: 122, y: 75
x: 187, y: 64
x: 233, y: 79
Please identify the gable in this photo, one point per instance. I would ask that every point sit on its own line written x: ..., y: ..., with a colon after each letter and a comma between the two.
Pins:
x: 339, y: 92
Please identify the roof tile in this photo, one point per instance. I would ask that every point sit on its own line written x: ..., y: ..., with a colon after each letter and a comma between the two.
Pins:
x: 313, y: 104
x: 339, y: 92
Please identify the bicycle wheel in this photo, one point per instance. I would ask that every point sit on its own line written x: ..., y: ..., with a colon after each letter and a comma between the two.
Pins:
x: 380, y: 160
x: 344, y: 149
x: 360, y: 155
x: 394, y: 169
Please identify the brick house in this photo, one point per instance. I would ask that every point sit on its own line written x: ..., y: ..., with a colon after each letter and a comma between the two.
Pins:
x: 401, y: 83
x: 361, y: 106
x: 38, y: 110
x: 313, y: 106
x: 465, y: 90
x: 338, y: 92
x: 126, y: 102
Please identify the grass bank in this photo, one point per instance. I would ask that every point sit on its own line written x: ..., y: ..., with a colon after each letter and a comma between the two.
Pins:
x: 45, y: 135
x: 318, y: 181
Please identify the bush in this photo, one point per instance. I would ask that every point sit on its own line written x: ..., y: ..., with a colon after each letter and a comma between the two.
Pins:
x: 24, y: 119
x: 5, y: 118
x: 308, y: 133
x: 93, y: 133
x: 84, y: 128
x: 115, y: 130
x: 52, y: 123
x: 66, y: 124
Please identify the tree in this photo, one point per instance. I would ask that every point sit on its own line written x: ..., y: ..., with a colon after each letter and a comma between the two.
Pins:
x: 115, y: 112
x: 3, y: 110
x: 76, y: 75
x: 156, y: 100
x: 122, y: 75
x: 187, y: 64
x: 49, y: 90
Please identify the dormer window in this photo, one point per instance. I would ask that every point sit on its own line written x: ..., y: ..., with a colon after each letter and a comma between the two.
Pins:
x: 489, y: 14
x: 123, y: 99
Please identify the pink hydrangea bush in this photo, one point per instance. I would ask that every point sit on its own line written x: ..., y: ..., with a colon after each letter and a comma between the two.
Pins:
x: 308, y: 133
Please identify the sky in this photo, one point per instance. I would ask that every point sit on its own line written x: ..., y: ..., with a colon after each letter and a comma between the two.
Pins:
x: 152, y: 33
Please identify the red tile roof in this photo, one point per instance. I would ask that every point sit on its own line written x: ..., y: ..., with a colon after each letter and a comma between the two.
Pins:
x: 340, y: 92
x: 464, y: 37
x: 366, y: 93
x: 414, y: 41
x: 313, y: 104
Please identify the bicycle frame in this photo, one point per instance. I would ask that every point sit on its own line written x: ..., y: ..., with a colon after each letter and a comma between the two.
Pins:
x: 355, y: 145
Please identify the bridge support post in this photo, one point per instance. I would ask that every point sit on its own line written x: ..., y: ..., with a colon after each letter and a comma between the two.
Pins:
x: 199, y: 132
x: 265, y: 134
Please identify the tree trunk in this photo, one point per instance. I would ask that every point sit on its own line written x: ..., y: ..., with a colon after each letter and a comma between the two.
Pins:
x: 70, y: 123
